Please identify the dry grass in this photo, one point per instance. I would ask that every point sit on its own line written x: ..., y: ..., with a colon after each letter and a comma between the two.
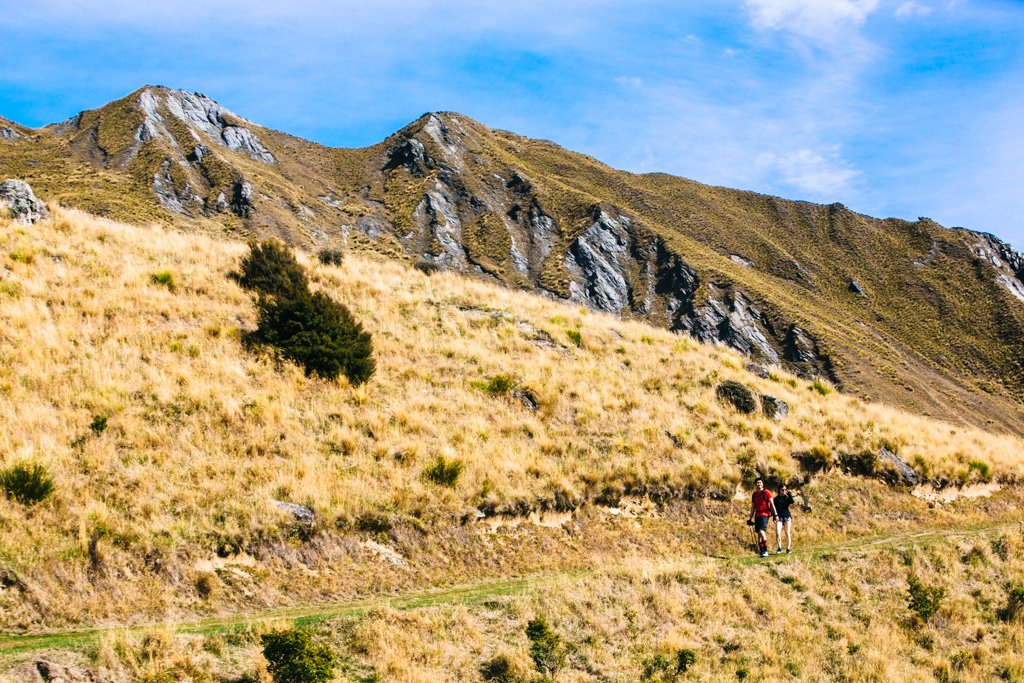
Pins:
x: 203, y: 435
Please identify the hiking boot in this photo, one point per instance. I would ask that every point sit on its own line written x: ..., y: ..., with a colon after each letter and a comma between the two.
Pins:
x: 789, y: 550
x: 778, y: 551
x: 764, y: 553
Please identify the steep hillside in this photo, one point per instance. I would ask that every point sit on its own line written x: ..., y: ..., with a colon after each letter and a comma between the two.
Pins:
x: 912, y: 314
x: 122, y: 373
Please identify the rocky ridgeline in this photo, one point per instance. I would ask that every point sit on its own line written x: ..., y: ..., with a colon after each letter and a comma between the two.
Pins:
x: 480, y: 217
x: 17, y: 198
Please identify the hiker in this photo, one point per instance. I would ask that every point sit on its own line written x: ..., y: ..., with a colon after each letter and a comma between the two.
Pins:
x: 761, y: 509
x: 785, y: 520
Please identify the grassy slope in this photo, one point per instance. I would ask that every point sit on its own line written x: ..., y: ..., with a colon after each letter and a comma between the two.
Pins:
x: 937, y: 338
x: 203, y: 435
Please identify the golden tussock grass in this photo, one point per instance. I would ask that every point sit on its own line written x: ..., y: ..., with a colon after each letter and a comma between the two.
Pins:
x: 202, y: 435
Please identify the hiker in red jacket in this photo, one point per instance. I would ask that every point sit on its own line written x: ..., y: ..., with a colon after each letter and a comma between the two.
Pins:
x: 762, y: 508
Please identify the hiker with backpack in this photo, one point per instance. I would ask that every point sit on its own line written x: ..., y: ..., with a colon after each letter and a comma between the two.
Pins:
x: 762, y: 508
x: 784, y: 521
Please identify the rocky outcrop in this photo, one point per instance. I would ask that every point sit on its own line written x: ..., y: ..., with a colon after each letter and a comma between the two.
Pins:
x: 731, y: 318
x: 20, y: 202
x: 8, y: 133
x: 774, y: 408
x: 300, y: 513
x: 1008, y: 264
x: 896, y: 470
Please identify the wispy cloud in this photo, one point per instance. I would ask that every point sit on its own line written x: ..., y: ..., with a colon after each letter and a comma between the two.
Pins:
x: 911, y: 9
x: 816, y: 20
x: 814, y: 174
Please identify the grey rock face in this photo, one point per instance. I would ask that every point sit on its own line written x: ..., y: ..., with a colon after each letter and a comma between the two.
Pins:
x: 21, y: 202
x: 758, y: 370
x: 200, y: 114
x: 241, y: 198
x: 598, y: 259
x: 799, y: 347
x: 856, y: 288
x: 731, y: 318
x: 774, y: 408
x: 904, y: 473
x: 8, y: 133
x: 301, y: 513
x: 1008, y: 264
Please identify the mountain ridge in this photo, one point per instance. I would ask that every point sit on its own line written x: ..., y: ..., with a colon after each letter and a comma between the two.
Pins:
x: 912, y: 313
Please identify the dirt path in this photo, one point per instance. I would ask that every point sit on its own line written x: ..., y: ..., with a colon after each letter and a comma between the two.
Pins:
x: 476, y: 592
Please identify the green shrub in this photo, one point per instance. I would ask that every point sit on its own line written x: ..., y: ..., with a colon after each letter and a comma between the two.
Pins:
x: 270, y: 269
x: 983, y: 469
x: 685, y: 658
x: 98, y: 424
x: 575, y: 337
x: 821, y: 387
x: 164, y: 277
x: 317, y: 333
x: 924, y: 601
x: 27, y: 483
x: 737, y: 394
x: 497, y: 385
x: 1014, y: 610
x: 444, y: 471
x: 500, y: 669
x: 292, y: 657
x: 546, y: 648
x: 330, y: 257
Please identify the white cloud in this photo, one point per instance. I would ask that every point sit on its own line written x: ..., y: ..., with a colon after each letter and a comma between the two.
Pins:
x: 817, y: 20
x: 817, y: 175
x: 911, y: 9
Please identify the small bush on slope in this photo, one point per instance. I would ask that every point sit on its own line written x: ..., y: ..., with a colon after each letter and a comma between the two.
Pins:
x: 293, y: 657
x: 270, y: 269
x: 27, y: 483
x: 309, y: 328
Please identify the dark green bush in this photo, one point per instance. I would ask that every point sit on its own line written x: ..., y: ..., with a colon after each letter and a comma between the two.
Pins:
x: 685, y: 658
x: 500, y: 669
x: 737, y: 394
x: 293, y: 657
x: 330, y: 257
x: 317, y: 333
x: 1014, y: 610
x: 270, y: 269
x: 575, y: 337
x: 98, y: 424
x: 924, y: 601
x: 27, y: 483
x: 546, y: 648
x: 444, y: 471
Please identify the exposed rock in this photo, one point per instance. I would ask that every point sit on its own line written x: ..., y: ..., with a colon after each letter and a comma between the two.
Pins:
x: 773, y: 407
x: 1008, y: 264
x: 799, y: 347
x: 598, y: 258
x: 741, y: 261
x: 202, y: 113
x: 241, y: 198
x: 301, y: 513
x: 758, y: 370
x: 8, y: 133
x: 903, y: 473
x: 857, y: 289
x: 59, y: 673
x: 738, y: 395
x: 730, y: 317
x: 22, y: 204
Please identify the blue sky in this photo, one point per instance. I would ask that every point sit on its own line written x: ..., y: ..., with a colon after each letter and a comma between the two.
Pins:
x: 894, y: 107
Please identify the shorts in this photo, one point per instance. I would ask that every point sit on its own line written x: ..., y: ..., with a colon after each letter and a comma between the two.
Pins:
x: 761, y: 523
x: 783, y: 520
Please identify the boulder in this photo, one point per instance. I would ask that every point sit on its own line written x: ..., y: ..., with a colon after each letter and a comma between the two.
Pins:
x: 21, y: 202
x: 759, y: 370
x: 773, y: 407
x: 856, y: 288
x: 60, y: 673
x: 301, y: 513
x: 737, y: 394
x: 903, y: 473
x: 8, y: 133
